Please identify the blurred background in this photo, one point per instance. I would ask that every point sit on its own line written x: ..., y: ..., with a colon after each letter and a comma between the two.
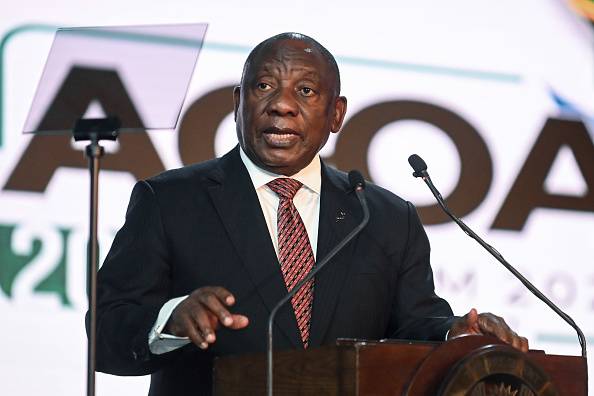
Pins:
x: 497, y: 97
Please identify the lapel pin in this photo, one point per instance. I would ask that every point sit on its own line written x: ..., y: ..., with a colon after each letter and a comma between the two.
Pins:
x: 340, y: 216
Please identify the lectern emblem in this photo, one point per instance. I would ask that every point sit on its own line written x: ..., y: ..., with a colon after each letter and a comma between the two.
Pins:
x: 497, y: 370
x: 482, y: 389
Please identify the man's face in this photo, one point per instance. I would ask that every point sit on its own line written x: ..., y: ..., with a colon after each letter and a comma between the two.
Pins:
x: 287, y: 106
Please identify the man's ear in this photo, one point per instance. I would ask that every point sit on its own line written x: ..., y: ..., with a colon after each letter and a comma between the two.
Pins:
x: 236, y: 98
x: 340, y: 107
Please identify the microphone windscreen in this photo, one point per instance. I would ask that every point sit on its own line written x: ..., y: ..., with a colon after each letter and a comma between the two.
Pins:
x: 417, y: 163
x: 356, y: 179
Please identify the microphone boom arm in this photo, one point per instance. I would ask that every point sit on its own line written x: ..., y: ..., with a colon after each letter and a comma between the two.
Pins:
x: 533, y: 289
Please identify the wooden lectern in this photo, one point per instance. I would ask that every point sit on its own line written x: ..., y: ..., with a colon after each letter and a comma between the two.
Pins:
x: 465, y: 366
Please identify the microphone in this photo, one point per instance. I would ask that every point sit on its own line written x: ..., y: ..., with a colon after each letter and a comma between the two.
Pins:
x: 357, y: 183
x: 419, y: 166
x: 420, y: 170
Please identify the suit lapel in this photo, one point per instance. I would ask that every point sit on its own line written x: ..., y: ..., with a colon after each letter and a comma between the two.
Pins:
x: 339, y: 214
x: 237, y: 204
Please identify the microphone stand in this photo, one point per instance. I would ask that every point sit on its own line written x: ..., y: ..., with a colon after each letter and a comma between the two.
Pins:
x: 359, y: 191
x: 423, y: 174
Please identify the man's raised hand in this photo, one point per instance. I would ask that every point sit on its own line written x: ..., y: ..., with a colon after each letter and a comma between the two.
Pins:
x: 199, y: 315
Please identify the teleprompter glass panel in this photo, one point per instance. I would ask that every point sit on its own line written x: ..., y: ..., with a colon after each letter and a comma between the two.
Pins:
x: 138, y: 74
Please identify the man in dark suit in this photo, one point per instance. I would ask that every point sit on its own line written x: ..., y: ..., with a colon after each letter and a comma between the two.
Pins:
x: 205, y: 251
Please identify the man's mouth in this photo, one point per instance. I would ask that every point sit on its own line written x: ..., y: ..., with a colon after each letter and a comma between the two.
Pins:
x: 280, y: 137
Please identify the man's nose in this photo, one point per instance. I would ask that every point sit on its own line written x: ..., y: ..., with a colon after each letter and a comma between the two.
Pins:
x: 283, y: 103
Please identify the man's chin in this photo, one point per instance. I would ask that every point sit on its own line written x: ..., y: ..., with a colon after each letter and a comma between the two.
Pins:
x: 287, y: 168
x: 282, y: 169
x: 285, y: 161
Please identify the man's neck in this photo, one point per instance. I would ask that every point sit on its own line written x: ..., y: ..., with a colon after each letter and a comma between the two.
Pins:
x: 310, y: 176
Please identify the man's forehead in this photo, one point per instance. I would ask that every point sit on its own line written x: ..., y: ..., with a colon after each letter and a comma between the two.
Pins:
x: 290, y: 51
x: 286, y: 51
x: 287, y: 46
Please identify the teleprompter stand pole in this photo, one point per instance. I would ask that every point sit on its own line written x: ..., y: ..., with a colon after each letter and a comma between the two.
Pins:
x: 94, y: 130
x: 93, y: 152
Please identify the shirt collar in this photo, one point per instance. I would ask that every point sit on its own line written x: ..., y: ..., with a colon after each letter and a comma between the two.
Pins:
x: 310, y: 176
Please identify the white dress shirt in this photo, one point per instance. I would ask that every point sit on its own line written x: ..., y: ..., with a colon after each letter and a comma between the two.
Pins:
x: 307, y: 202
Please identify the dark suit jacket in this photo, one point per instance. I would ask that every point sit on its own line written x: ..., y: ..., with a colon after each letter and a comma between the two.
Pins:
x: 202, y: 225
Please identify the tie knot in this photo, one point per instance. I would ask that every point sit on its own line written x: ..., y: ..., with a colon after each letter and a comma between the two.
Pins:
x: 285, y: 187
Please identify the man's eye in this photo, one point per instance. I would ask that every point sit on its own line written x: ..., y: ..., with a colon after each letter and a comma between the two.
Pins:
x: 307, y: 91
x: 263, y: 86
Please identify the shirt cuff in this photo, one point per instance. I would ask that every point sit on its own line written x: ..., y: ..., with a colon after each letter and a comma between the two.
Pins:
x: 160, y: 342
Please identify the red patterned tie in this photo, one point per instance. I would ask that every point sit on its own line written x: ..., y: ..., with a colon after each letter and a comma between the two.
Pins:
x: 294, y: 252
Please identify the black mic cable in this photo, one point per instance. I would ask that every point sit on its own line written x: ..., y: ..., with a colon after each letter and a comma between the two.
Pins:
x: 356, y: 182
x: 420, y: 170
